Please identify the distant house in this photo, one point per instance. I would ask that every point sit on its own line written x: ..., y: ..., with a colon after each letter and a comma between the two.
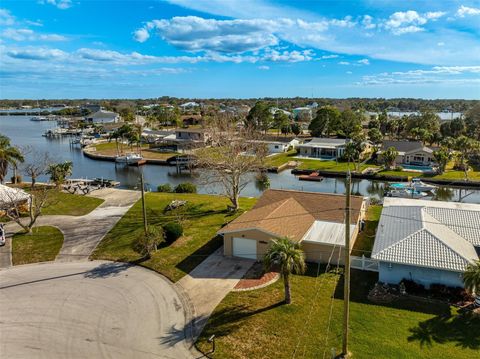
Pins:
x: 426, y: 241
x: 103, y: 116
x: 154, y: 136
x: 186, y: 139
x: 92, y: 108
x: 191, y: 120
x: 409, y: 152
x: 316, y: 220
x: 189, y: 106
x: 323, y: 148
x: 304, y: 113
x: 279, y: 146
x: 274, y: 110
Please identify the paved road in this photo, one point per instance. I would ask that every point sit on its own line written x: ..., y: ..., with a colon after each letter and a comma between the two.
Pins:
x: 210, y: 282
x: 83, y: 233
x: 90, y: 310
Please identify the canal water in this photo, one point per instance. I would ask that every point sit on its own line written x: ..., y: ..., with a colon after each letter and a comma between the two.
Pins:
x: 24, y: 132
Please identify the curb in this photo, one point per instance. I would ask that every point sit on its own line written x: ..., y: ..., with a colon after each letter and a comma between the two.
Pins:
x: 271, y: 281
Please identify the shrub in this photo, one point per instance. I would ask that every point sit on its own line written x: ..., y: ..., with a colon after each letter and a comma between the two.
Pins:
x: 186, y: 188
x: 173, y: 231
x: 398, y: 169
x: 167, y: 188
x: 147, y: 243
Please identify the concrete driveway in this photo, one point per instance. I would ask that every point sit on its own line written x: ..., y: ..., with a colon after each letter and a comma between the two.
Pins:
x: 83, y: 233
x: 91, y: 310
x: 210, y: 282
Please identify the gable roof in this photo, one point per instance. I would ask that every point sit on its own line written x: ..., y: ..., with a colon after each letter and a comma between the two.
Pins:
x: 286, y: 213
x: 104, y: 114
x: 416, y: 232
x: 406, y: 146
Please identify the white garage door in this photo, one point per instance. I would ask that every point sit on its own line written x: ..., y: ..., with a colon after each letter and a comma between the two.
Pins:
x: 245, y: 248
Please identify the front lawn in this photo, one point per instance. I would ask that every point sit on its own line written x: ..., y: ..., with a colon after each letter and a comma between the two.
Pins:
x: 42, y: 245
x: 203, y: 217
x: 328, y: 165
x: 70, y: 204
x: 257, y: 324
x: 366, y: 238
x: 280, y: 159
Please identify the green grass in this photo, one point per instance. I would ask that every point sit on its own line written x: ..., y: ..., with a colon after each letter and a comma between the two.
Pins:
x: 366, y: 238
x: 70, y: 204
x: 42, y: 245
x: 110, y: 149
x: 202, y: 218
x: 332, y: 166
x: 280, y: 159
x: 257, y: 324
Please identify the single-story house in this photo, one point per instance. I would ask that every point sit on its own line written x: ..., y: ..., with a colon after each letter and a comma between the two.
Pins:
x: 409, y: 152
x: 316, y: 220
x: 103, y: 116
x: 304, y: 113
x: 324, y: 148
x: 426, y: 241
x: 189, y: 106
x: 186, y: 138
x: 279, y: 146
x: 11, y: 197
x: 152, y: 136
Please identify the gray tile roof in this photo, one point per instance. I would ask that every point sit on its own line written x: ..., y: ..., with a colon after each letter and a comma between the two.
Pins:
x: 422, y: 233
x: 325, y: 142
x: 405, y: 146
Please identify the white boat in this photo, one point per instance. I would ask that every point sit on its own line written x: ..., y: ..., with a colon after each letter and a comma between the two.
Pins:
x: 129, y: 158
x: 421, y: 186
x: 406, y: 193
x: 417, y: 184
x: 39, y: 118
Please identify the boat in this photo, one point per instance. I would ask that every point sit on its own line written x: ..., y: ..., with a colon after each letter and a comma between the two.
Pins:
x: 56, y: 132
x: 39, y: 118
x: 406, y: 193
x: 314, y: 176
x: 417, y: 184
x: 129, y: 158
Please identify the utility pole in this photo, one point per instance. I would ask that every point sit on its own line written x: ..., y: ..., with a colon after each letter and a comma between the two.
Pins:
x: 346, y: 277
x: 144, y: 209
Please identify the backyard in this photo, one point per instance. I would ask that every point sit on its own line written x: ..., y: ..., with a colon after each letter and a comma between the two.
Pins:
x: 366, y: 238
x: 257, y: 324
x: 201, y: 218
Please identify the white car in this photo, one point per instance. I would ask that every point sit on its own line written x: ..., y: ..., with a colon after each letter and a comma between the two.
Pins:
x: 2, y: 235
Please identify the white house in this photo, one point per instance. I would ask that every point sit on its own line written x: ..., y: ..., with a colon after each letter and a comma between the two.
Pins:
x: 103, y: 116
x: 11, y: 197
x: 279, y: 146
x: 426, y: 241
x: 302, y: 111
x: 189, y: 105
x: 323, y: 148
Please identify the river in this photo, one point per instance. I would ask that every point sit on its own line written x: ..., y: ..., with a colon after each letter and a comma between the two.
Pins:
x: 23, y: 132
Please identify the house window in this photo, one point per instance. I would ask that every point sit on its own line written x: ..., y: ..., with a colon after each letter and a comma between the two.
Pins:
x: 276, y: 146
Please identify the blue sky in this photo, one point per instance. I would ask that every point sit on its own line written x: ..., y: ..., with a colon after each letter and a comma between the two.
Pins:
x: 239, y: 48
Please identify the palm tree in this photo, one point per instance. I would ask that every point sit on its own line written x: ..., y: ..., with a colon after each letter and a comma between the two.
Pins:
x: 389, y: 157
x: 471, y: 280
x: 9, y: 155
x: 289, y: 258
x: 59, y: 172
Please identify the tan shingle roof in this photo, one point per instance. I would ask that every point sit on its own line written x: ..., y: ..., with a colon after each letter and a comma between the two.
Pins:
x: 291, y: 213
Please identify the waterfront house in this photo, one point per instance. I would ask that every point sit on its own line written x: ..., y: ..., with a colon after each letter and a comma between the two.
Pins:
x: 323, y: 148
x: 279, y: 146
x: 409, y: 153
x: 186, y: 139
x: 316, y: 220
x: 103, y: 116
x: 426, y: 241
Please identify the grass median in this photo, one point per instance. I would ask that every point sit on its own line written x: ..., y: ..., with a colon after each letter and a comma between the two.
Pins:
x: 41, y: 245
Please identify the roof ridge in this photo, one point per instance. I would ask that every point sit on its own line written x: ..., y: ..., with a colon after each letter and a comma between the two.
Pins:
x: 432, y: 220
x: 311, y: 192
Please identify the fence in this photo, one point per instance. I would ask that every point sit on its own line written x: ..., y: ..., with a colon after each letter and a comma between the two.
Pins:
x: 364, y: 263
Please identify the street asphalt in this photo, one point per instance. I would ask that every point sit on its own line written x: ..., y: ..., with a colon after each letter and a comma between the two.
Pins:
x: 92, y: 309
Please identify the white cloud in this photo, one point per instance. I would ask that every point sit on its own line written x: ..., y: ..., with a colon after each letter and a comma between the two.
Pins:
x: 141, y: 35
x: 400, y: 23
x: 367, y: 22
x: 326, y: 57
x: 6, y: 18
x: 452, y: 75
x: 36, y: 53
x: 441, y: 43
x: 364, y: 62
x: 467, y: 11
x: 345, y: 63
x: 263, y: 67
x: 345, y: 22
x: 60, y: 4
x: 288, y: 56
x: 30, y: 35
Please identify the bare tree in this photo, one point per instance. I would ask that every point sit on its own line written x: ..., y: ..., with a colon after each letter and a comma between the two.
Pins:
x: 16, y: 203
x: 37, y: 165
x: 233, y: 155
